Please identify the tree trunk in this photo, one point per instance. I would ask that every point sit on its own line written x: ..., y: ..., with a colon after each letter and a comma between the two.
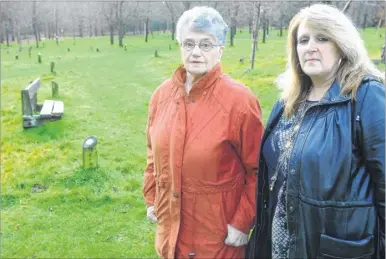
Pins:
x: 173, y: 28
x: 264, y: 31
x: 365, y: 17
x: 49, y: 30
x: 187, y: 5
x: 56, y: 24
x: 7, y: 34
x: 281, y: 25
x: 101, y: 26
x: 120, y: 40
x: 264, y: 23
x: 232, y: 35
x: 267, y: 27
x: 18, y: 37
x: 232, y: 11
x: 359, y: 14
x: 1, y: 35
x: 12, y: 30
x: 121, y: 34
x: 345, y: 8
x: 255, y: 34
x: 111, y: 29
x: 34, y: 24
x: 80, y: 27
x: 146, y: 28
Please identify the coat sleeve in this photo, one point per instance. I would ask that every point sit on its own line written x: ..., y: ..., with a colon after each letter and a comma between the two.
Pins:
x: 149, y: 185
x: 373, y: 132
x: 250, y: 134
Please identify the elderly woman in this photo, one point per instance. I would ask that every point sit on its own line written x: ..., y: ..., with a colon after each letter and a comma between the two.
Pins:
x: 321, y: 182
x: 204, y: 131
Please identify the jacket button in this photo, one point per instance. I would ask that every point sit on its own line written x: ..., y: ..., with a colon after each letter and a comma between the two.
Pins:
x: 175, y: 195
x: 292, y: 171
x: 204, y: 93
x: 291, y: 209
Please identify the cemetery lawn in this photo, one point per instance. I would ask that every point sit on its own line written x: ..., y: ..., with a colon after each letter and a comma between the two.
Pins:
x: 50, y: 206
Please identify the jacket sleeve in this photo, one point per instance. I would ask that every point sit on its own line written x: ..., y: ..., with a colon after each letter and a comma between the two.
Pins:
x: 250, y: 134
x: 149, y: 185
x: 373, y: 132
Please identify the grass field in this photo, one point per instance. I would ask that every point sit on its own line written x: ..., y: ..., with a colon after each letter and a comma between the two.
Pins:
x: 50, y: 206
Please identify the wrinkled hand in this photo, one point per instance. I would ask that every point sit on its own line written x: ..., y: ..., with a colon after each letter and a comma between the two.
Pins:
x: 235, y: 237
x: 151, y: 215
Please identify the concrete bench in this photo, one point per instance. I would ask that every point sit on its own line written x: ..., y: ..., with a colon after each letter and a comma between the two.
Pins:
x: 34, y: 113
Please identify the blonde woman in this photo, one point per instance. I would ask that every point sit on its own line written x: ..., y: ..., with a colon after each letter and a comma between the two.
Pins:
x: 321, y: 181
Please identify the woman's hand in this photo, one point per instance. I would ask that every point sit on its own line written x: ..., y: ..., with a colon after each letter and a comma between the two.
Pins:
x: 235, y: 237
x: 151, y: 215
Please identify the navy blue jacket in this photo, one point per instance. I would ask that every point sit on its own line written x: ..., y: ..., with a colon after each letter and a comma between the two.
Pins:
x: 336, y: 181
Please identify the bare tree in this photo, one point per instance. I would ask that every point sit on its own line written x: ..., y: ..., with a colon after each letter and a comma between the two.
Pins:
x: 173, y: 17
x: 108, y: 11
x: 35, y: 26
x: 256, y: 23
x: 347, y: 5
x: 147, y: 14
x: 233, y: 9
x: 186, y: 5
x: 265, y: 24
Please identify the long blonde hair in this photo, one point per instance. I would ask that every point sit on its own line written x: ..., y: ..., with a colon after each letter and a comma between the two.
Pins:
x: 355, y: 62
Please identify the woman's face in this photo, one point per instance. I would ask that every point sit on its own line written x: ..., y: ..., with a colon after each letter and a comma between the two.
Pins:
x: 318, y: 56
x: 199, y: 52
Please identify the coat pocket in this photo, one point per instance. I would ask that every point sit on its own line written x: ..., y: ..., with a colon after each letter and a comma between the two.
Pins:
x: 216, y: 209
x: 331, y: 247
x: 161, y: 194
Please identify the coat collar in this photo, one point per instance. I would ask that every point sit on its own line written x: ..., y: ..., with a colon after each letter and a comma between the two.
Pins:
x: 179, y: 77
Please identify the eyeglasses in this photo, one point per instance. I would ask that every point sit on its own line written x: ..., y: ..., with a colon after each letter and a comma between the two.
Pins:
x: 204, y: 45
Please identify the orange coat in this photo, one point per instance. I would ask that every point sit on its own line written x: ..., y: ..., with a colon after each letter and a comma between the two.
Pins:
x: 202, y: 164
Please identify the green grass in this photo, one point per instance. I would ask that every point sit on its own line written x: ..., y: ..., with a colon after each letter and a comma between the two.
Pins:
x: 50, y: 206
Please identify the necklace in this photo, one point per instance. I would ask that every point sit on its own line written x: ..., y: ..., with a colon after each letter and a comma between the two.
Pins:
x: 289, y: 136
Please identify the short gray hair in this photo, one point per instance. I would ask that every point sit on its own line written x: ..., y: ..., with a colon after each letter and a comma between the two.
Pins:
x: 204, y: 19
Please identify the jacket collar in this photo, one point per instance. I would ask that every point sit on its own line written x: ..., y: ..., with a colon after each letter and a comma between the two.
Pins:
x: 179, y: 77
x: 334, y: 95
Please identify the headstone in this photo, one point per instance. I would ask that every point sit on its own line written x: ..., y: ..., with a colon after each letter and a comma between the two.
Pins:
x: 55, y: 89
x: 52, y: 66
x: 39, y: 57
